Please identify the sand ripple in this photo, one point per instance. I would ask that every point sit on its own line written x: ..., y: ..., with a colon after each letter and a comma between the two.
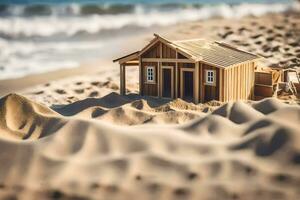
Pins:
x: 237, y: 151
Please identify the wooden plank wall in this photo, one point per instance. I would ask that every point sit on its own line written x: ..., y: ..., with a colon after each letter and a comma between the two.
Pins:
x: 209, y: 92
x: 159, y: 50
x: 263, y: 78
x: 168, y: 52
x: 263, y: 85
x: 149, y: 89
x: 263, y: 91
x: 153, y: 52
x: 239, y: 82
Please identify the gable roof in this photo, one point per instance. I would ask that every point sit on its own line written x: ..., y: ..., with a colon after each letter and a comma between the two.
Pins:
x: 215, y: 53
x: 212, y: 52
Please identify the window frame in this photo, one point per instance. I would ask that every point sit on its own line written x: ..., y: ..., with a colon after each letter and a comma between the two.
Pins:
x: 210, y: 74
x: 153, y: 74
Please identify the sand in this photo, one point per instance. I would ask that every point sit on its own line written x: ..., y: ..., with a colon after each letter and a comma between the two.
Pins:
x: 74, y: 137
x: 235, y: 151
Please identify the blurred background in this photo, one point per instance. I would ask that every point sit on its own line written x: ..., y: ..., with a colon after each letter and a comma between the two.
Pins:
x: 41, y: 36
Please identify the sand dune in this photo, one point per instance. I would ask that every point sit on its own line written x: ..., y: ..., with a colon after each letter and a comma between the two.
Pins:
x: 22, y: 118
x: 237, y: 151
x: 132, y: 110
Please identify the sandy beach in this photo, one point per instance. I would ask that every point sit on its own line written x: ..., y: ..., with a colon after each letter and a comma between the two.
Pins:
x: 68, y: 134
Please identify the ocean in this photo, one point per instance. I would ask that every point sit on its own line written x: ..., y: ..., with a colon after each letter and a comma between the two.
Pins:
x: 40, y: 36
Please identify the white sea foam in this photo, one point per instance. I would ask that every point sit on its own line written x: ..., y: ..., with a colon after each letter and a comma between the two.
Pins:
x: 20, y: 58
x: 15, y: 26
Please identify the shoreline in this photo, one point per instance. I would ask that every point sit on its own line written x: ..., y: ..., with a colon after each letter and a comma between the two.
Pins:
x: 21, y: 84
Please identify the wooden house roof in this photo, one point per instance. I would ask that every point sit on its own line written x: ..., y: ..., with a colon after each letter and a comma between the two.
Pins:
x: 129, y: 57
x: 218, y: 54
x: 212, y: 52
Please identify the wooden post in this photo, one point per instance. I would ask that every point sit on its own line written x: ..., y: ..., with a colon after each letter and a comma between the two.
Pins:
x: 140, y: 77
x: 196, y: 83
x: 221, y: 86
x: 159, y: 79
x: 253, y: 80
x: 159, y: 72
x: 176, y: 76
x: 122, y: 80
x: 202, y: 86
x: 225, y: 86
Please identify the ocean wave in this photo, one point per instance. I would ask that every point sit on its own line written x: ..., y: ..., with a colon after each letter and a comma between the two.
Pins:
x: 84, y: 9
x: 45, y: 26
x: 19, y: 58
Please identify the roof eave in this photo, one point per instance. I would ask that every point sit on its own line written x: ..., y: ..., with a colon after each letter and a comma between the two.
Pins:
x: 123, y: 58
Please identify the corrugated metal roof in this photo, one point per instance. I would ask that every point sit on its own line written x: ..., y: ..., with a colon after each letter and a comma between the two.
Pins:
x: 216, y: 53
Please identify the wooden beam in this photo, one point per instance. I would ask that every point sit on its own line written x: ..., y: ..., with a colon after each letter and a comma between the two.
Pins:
x: 140, y: 77
x: 196, y: 83
x: 176, y: 76
x: 159, y: 79
x: 225, y: 97
x: 239, y: 84
x: 201, y: 85
x: 159, y: 70
x: 122, y: 80
x: 230, y: 85
x: 221, y: 86
x: 167, y: 60
x: 235, y: 85
x: 131, y: 64
x: 129, y: 57
x: 243, y: 82
x: 160, y: 50
x: 253, y: 80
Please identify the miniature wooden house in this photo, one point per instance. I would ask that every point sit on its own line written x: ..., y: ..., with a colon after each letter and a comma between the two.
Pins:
x: 195, y: 70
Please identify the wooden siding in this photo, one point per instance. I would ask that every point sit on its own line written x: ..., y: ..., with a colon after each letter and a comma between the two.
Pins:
x: 168, y: 52
x: 263, y: 91
x: 233, y: 83
x: 209, y: 92
x: 238, y: 82
x: 153, y: 52
x: 149, y: 89
x: 263, y: 78
x: 160, y: 50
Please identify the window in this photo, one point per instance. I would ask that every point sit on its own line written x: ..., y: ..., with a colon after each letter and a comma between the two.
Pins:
x: 150, y: 74
x: 210, y: 76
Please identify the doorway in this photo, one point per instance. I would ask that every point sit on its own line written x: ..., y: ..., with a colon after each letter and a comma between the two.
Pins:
x: 187, y: 86
x: 167, y: 82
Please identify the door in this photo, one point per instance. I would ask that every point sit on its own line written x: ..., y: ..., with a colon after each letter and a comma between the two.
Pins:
x: 188, y: 86
x: 167, y: 82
